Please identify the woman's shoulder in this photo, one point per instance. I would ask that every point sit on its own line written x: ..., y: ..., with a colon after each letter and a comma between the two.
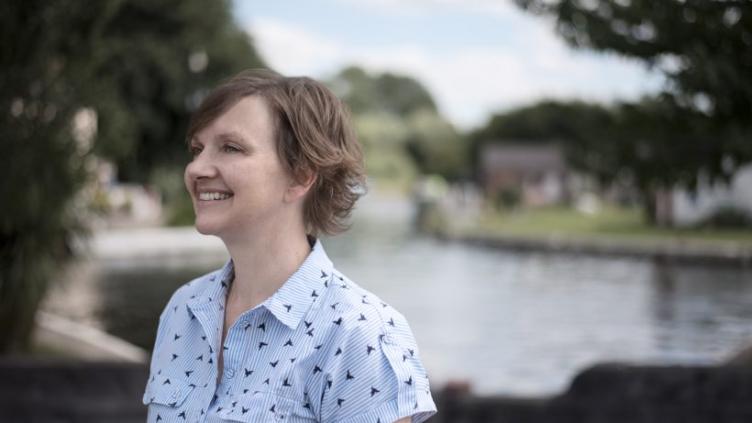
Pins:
x: 357, y: 309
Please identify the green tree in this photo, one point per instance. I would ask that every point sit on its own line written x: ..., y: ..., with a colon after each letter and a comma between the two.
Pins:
x: 385, y: 92
x: 396, y: 118
x: 141, y: 66
x: 704, y: 49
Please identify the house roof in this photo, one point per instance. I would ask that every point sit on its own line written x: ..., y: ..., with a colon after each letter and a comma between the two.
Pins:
x: 522, y: 157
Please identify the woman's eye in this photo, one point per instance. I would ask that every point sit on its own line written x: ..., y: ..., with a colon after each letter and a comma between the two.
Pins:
x: 230, y: 149
x: 195, y: 151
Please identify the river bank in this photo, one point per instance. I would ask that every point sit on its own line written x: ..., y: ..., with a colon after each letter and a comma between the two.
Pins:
x: 664, y: 250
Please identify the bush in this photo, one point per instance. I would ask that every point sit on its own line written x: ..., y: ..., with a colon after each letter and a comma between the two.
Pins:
x: 727, y: 218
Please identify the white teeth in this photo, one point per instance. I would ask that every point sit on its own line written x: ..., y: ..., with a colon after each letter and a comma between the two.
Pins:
x: 209, y: 196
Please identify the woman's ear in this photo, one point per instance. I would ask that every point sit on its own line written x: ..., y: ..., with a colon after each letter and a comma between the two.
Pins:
x: 299, y: 186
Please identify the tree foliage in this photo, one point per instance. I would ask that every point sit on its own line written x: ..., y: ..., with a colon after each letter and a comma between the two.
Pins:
x: 395, y: 115
x: 385, y: 92
x: 704, y: 49
x: 141, y: 65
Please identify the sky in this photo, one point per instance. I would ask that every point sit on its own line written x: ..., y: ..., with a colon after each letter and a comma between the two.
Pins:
x: 476, y: 57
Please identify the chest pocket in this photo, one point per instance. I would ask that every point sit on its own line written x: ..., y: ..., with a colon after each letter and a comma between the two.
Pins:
x: 166, y: 395
x: 268, y: 407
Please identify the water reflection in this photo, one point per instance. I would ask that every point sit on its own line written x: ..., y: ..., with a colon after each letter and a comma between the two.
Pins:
x: 515, y: 323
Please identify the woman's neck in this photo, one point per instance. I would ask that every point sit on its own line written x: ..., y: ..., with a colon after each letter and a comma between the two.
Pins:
x: 264, y: 262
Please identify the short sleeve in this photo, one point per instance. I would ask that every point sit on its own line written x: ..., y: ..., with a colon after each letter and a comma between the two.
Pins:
x: 375, y: 375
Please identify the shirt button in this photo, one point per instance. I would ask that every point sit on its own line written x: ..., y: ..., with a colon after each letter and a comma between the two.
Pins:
x: 229, y: 373
x: 388, y: 339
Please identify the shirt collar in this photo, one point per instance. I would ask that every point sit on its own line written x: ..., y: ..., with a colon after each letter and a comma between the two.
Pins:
x: 293, y: 299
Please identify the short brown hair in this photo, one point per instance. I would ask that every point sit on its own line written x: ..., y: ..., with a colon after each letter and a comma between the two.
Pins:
x: 313, y: 135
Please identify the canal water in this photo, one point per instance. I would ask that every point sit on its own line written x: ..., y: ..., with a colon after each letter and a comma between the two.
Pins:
x: 506, y: 322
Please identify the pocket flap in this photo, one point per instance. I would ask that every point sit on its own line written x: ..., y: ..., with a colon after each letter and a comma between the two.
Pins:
x: 170, y: 391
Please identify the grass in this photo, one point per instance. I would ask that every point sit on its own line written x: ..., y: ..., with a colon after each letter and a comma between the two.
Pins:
x: 613, y: 223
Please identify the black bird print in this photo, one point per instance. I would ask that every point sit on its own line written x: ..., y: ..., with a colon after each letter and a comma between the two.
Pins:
x: 369, y: 349
x: 363, y: 300
x: 188, y: 373
x: 383, y: 304
x: 292, y: 360
x: 176, y: 337
x: 329, y: 383
x: 273, y: 408
x: 224, y: 284
x: 159, y: 418
x: 234, y: 403
x: 338, y: 321
x: 266, y: 381
x: 307, y: 324
x: 182, y: 414
x: 349, y: 375
x: 309, y: 332
x: 334, y: 306
x: 247, y: 326
x: 323, y: 274
x: 262, y: 344
x: 391, y: 322
x: 166, y: 382
x: 404, y: 357
x: 274, y: 363
x: 203, y: 337
x: 262, y: 326
x: 374, y: 391
x: 314, y: 294
x: 338, y: 352
x: 288, y: 343
x: 318, y: 347
x: 286, y: 383
x: 200, y: 358
x: 174, y: 356
x: 412, y: 352
x: 288, y: 307
x: 316, y: 369
x: 340, y: 401
x: 248, y: 372
x: 243, y: 410
x: 409, y: 381
x: 211, y: 360
x: 307, y: 405
x: 362, y: 317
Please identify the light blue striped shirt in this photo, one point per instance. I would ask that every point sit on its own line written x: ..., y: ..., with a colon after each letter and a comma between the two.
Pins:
x: 321, y: 349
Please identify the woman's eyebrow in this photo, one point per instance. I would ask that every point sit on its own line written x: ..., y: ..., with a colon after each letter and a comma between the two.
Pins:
x: 231, y: 136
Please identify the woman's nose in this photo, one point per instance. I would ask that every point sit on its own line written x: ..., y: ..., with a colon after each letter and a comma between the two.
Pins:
x: 202, y: 166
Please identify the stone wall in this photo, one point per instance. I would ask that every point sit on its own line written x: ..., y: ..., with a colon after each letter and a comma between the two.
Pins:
x: 33, y: 391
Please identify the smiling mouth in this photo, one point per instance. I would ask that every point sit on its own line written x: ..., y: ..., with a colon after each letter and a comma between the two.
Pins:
x: 213, y: 196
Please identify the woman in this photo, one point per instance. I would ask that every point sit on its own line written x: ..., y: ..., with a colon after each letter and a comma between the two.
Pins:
x: 278, y: 334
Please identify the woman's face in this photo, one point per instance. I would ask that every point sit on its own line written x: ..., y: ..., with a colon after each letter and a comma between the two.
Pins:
x: 236, y: 179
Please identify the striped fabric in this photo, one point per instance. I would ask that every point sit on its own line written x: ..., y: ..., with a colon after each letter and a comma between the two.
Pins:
x: 321, y: 349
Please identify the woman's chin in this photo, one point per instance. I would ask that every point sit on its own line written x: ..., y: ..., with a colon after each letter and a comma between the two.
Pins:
x: 206, y: 228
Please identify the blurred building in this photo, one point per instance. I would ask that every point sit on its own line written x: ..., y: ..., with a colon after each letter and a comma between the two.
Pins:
x: 528, y: 175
